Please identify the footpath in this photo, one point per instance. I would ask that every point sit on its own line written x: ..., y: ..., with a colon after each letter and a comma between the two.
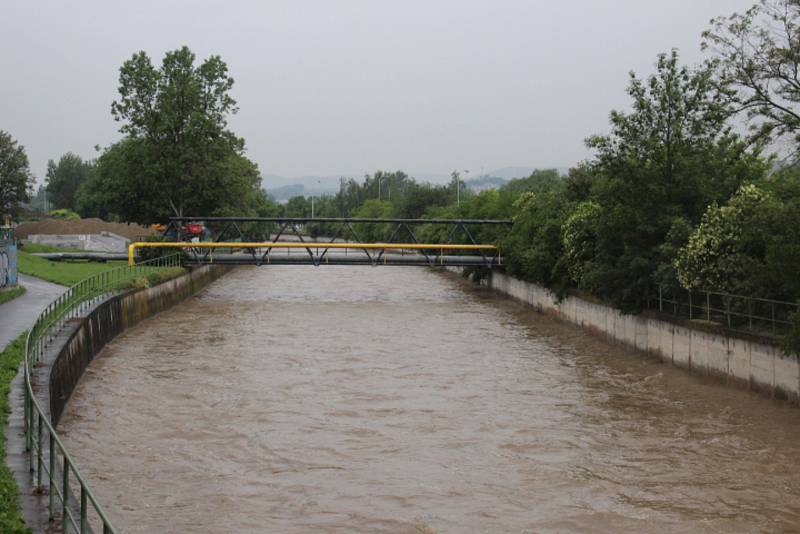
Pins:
x: 19, y: 314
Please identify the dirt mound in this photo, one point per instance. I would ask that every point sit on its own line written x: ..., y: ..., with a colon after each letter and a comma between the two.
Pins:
x: 83, y: 226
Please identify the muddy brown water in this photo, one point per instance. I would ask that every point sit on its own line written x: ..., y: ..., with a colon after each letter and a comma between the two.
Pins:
x: 358, y: 399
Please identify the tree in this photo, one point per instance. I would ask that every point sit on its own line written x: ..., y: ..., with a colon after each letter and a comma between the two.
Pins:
x: 662, y: 164
x: 64, y: 179
x: 757, y: 58
x: 726, y: 251
x: 177, y: 157
x: 751, y: 244
x: 16, y: 180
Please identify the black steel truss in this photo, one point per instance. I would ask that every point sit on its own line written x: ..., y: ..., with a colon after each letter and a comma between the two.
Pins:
x: 230, y: 229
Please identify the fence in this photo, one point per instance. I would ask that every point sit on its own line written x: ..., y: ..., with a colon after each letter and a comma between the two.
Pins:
x: 736, y: 312
x: 53, y: 461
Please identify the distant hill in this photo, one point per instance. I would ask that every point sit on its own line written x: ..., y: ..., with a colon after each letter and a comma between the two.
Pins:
x: 510, y: 173
x: 485, y: 182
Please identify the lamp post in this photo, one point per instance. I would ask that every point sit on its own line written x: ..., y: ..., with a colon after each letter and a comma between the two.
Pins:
x: 312, y: 202
x: 456, y: 175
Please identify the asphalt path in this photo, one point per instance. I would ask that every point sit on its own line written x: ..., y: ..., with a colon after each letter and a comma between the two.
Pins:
x: 19, y: 314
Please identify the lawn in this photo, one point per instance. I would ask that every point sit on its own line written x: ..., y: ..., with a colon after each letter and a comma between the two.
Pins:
x: 66, y: 273
x: 11, y: 294
x: 10, y: 514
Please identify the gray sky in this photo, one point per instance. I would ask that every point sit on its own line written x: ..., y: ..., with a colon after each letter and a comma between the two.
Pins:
x: 329, y: 87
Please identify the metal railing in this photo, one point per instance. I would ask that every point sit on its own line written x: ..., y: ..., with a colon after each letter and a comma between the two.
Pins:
x: 736, y: 312
x: 53, y: 461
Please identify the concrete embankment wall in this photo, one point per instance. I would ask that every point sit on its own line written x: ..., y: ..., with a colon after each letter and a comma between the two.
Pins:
x: 111, y: 318
x: 710, y: 351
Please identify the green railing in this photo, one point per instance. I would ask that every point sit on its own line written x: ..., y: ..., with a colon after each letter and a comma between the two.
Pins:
x: 736, y: 312
x: 54, y: 468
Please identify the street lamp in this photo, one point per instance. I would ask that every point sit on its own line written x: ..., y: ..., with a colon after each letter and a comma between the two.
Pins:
x: 312, y: 201
x: 458, y: 186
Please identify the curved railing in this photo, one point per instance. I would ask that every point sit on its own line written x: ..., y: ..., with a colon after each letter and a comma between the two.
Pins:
x: 54, y: 461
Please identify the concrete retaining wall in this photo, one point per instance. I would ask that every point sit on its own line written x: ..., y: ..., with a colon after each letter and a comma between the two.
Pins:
x: 756, y: 365
x: 111, y: 318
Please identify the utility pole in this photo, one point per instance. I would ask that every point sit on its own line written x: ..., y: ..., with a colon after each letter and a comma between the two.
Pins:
x: 457, y: 177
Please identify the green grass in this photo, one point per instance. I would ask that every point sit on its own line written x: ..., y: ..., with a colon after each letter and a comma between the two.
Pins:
x: 154, y: 278
x: 37, y: 247
x: 11, y: 294
x: 10, y: 512
x: 66, y: 273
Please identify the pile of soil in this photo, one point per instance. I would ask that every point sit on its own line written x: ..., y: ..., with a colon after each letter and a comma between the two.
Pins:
x: 82, y: 226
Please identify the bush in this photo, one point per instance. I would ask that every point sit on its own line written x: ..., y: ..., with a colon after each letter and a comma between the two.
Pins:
x: 67, y: 215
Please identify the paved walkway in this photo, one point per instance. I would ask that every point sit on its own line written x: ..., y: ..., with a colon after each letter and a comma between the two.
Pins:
x: 19, y: 314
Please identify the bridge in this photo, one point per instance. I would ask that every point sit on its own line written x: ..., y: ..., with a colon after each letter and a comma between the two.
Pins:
x: 234, y: 243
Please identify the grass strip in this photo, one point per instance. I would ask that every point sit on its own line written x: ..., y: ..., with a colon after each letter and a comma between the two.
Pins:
x: 10, y: 512
x: 62, y: 272
x: 10, y: 294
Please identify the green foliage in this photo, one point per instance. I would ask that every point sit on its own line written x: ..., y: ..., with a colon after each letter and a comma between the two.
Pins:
x: 540, y: 179
x: 16, y: 180
x: 67, y: 215
x: 64, y: 179
x: 534, y: 248
x: 10, y: 512
x: 756, y: 56
x: 666, y: 160
x: 373, y: 209
x: 7, y: 295
x: 749, y: 245
x: 726, y: 251
x: 791, y: 343
x: 580, y: 240
x: 61, y: 272
x: 178, y: 157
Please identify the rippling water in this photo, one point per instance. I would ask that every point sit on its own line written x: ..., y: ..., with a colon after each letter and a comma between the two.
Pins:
x: 359, y: 399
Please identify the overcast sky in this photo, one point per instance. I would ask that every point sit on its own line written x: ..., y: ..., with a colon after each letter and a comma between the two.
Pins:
x: 328, y: 87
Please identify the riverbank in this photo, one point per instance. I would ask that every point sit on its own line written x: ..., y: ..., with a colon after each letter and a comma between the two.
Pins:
x: 732, y: 359
x: 10, y: 511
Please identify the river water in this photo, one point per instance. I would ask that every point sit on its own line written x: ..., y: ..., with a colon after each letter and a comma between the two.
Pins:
x: 396, y: 399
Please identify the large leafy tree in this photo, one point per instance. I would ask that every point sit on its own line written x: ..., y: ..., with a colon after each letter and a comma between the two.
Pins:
x: 661, y: 165
x: 16, y: 180
x: 756, y: 55
x: 178, y: 156
x: 64, y: 179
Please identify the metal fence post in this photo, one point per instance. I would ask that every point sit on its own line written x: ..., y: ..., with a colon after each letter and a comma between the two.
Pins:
x: 660, y: 299
x: 39, y: 453
x: 84, y: 510
x: 772, y: 305
x: 690, y: 305
x: 51, y: 477
x: 708, y: 306
x: 65, y: 495
x: 728, y: 310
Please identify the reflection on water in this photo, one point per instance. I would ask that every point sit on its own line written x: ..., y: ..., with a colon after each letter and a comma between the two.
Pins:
x: 353, y: 399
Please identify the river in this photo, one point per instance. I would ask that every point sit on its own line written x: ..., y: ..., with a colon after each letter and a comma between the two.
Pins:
x: 397, y: 399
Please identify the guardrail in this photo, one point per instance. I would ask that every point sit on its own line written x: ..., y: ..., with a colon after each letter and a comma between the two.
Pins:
x: 737, y: 312
x: 38, y: 427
